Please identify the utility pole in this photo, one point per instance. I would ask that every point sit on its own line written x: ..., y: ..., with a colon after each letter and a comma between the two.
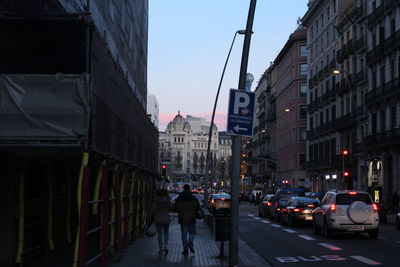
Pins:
x: 236, y: 144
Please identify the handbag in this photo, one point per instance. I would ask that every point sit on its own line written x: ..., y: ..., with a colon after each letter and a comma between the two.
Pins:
x: 151, y: 230
x: 200, y: 214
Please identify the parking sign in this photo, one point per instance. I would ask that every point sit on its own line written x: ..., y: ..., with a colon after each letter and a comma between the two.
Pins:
x: 240, y: 113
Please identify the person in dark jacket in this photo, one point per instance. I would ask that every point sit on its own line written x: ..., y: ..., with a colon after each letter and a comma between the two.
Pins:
x: 187, y: 206
x: 162, y: 219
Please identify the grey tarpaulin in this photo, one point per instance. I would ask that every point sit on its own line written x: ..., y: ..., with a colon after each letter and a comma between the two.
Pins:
x: 44, y: 106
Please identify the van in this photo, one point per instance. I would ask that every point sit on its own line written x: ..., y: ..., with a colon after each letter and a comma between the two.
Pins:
x: 281, y: 198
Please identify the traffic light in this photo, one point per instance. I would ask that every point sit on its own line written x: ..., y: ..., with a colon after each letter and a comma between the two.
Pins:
x: 164, y: 170
x: 345, y: 152
x: 346, y: 174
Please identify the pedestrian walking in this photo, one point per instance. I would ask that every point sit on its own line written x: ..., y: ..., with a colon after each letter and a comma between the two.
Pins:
x: 162, y: 219
x: 187, y: 206
x: 395, y: 202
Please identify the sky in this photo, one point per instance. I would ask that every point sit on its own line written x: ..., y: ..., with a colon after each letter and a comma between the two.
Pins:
x: 188, y: 44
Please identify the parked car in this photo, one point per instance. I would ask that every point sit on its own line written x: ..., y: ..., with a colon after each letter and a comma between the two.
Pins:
x: 220, y: 204
x: 298, y: 209
x: 346, y: 210
x: 281, y: 198
x: 398, y: 221
x: 264, y: 208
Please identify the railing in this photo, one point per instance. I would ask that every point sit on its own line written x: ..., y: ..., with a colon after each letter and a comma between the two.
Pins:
x: 388, y: 138
x: 361, y: 76
x: 376, y: 16
x: 345, y: 121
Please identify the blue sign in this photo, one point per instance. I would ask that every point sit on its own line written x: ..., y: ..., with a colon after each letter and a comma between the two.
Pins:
x: 240, y: 113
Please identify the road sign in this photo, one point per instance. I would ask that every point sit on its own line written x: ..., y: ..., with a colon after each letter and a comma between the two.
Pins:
x: 240, y: 113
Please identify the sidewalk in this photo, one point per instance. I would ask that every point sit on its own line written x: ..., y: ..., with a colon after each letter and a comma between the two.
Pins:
x: 144, y: 252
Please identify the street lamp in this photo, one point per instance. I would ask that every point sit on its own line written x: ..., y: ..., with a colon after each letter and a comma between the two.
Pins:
x: 287, y: 110
x: 213, y: 115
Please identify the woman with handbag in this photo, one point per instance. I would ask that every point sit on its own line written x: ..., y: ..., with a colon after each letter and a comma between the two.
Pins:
x: 162, y: 219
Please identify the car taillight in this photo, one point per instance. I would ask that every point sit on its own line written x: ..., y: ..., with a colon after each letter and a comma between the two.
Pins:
x: 212, y: 201
x: 352, y: 193
x: 222, y: 198
x: 296, y: 210
x: 269, y: 204
x: 278, y: 209
x: 333, y: 207
x: 310, y: 206
x: 375, y: 207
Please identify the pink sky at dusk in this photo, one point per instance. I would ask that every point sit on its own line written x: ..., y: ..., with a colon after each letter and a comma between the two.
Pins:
x: 219, y: 120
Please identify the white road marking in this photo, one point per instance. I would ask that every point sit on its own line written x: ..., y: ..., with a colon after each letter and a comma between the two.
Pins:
x: 331, y: 247
x: 257, y: 218
x: 251, y: 215
x: 264, y: 221
x: 289, y: 230
x: 306, y: 237
x: 276, y: 225
x: 365, y: 260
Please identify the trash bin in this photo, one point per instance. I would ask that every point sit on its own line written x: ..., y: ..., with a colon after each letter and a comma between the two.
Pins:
x: 222, y: 227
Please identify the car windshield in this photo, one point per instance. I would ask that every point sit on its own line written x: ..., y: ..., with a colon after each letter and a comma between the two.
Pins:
x: 219, y: 196
x: 303, y: 202
x: 346, y: 199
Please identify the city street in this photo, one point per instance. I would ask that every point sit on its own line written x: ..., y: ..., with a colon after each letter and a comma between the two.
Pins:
x: 281, y: 245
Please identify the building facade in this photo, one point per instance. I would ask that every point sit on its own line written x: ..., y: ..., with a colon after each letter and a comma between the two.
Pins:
x: 291, y: 110
x: 326, y: 108
x: 153, y: 109
x: 186, y: 149
x: 380, y: 164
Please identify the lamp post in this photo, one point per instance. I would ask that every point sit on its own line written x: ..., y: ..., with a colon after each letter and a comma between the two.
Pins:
x: 213, y: 116
x: 234, y: 234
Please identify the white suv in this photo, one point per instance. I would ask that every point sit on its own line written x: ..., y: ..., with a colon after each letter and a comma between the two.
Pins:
x: 346, y: 210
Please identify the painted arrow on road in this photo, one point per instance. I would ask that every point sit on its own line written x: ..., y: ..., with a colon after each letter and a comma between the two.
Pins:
x: 238, y: 128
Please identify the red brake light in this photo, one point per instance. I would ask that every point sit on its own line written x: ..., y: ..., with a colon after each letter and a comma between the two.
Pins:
x: 212, y: 201
x: 375, y: 207
x: 352, y: 193
x: 269, y: 204
x: 222, y: 198
x: 296, y: 210
x: 310, y: 205
x: 278, y: 209
x: 333, y: 207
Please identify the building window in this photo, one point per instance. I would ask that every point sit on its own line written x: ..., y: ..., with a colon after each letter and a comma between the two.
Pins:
x: 303, y: 50
x: 303, y: 69
x: 303, y: 112
x: 303, y: 89
x: 302, y: 160
x: 303, y: 134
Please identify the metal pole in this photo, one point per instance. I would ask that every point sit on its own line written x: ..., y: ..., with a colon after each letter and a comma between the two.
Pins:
x: 212, y: 122
x: 234, y: 237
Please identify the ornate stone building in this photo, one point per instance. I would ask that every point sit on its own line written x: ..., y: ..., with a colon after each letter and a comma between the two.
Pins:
x: 183, y: 147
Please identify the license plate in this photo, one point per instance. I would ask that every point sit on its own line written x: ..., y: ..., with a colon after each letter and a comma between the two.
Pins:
x: 356, y: 228
x: 222, y: 204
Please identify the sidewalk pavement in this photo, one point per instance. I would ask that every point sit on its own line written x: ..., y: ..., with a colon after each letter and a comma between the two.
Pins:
x: 144, y: 252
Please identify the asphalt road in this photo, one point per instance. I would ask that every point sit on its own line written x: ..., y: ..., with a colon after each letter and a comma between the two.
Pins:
x: 281, y: 245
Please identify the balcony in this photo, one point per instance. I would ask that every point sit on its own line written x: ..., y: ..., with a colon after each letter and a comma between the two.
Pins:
x: 376, y: 16
x: 314, y: 104
x: 391, y: 89
x: 318, y: 164
x: 375, y: 54
x: 345, y: 122
x: 381, y: 140
x: 373, y: 96
x: 390, y: 5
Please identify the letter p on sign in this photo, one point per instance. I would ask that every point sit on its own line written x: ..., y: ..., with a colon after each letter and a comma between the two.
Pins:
x: 242, y: 100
